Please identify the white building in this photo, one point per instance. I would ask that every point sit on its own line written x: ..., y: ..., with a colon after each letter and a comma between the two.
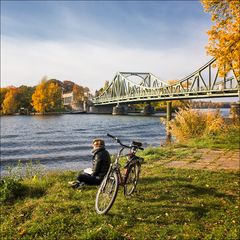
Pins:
x: 71, y: 102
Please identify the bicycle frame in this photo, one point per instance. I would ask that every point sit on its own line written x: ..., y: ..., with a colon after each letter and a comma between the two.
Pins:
x: 116, y: 166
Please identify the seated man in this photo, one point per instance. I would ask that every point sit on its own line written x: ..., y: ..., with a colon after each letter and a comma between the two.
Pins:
x: 101, y: 161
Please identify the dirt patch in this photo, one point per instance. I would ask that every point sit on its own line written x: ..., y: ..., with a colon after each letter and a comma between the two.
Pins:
x: 209, y: 159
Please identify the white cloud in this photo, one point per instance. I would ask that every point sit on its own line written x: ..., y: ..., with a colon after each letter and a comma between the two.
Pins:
x: 91, y: 64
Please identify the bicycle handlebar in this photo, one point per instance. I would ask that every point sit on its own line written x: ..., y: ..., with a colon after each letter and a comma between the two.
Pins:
x: 123, y: 145
x: 111, y: 136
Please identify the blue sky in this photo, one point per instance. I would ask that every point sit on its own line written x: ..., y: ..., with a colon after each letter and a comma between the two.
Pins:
x: 89, y: 41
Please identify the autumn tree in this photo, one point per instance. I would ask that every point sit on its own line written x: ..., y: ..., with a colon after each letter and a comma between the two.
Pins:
x: 101, y: 90
x: 47, y: 97
x: 67, y: 86
x: 54, y: 97
x: 3, y: 92
x: 10, y: 104
x: 24, y: 96
x: 78, y: 92
x: 224, y: 37
x: 39, y: 97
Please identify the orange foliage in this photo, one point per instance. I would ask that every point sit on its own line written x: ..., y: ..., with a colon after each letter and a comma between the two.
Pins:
x: 224, y: 37
x: 171, y: 82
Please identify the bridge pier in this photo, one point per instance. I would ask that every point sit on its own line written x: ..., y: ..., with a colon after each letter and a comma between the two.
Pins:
x: 101, y: 109
x: 235, y: 110
x: 169, y: 111
x: 119, y: 110
x: 148, y: 110
x: 169, y: 117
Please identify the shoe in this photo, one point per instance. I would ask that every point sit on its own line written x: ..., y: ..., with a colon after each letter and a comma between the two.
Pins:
x: 80, y: 185
x: 71, y: 182
x: 74, y: 184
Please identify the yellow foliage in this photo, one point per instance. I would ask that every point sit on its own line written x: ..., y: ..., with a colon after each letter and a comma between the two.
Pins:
x: 47, y: 97
x: 10, y: 105
x: 214, y: 122
x: 190, y: 123
x: 187, y: 124
x: 224, y: 37
x: 171, y: 82
x: 39, y: 97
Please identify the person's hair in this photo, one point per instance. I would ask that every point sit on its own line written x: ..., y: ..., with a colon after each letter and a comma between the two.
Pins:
x: 98, y: 142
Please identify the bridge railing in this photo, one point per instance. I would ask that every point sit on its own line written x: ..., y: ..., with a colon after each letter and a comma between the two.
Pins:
x: 205, y: 82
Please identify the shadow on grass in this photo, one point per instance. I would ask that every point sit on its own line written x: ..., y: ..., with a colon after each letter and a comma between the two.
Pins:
x: 165, y: 214
x: 154, y: 180
x: 184, y: 185
x: 11, y: 191
x: 174, y: 200
x: 197, y: 191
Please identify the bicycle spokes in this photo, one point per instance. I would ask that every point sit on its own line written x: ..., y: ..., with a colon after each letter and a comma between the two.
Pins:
x: 131, y: 179
x: 106, y: 193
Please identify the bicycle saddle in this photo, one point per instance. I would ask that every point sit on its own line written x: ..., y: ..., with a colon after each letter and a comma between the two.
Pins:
x: 137, y: 144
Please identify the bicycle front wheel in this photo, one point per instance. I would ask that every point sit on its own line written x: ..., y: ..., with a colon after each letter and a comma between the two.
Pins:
x: 107, y: 193
x: 131, y: 179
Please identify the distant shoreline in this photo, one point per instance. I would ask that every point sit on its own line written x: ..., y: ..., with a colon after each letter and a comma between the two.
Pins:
x: 132, y: 113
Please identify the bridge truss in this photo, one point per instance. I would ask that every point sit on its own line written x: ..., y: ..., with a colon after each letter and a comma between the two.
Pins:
x: 203, y: 83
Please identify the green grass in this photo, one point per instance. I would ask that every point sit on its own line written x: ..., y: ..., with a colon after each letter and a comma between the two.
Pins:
x: 169, y: 204
x: 225, y: 140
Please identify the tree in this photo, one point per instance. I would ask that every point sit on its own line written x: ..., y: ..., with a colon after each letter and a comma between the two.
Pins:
x: 24, y: 96
x: 39, y: 97
x: 54, y: 97
x: 67, y: 86
x: 47, y: 97
x: 10, y: 104
x: 224, y: 37
x: 101, y: 90
x: 3, y: 92
x: 78, y: 92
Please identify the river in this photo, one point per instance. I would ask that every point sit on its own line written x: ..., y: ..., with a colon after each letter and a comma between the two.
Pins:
x: 64, y: 141
x: 61, y: 142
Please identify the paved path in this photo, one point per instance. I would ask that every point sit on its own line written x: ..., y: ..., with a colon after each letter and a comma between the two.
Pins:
x: 214, y: 160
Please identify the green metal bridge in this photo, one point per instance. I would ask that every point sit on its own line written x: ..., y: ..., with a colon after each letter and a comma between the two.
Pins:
x: 137, y: 87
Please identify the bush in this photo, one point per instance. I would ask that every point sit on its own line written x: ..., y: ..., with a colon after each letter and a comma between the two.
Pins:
x: 11, y: 189
x: 190, y: 123
x: 214, y: 123
x: 25, y: 170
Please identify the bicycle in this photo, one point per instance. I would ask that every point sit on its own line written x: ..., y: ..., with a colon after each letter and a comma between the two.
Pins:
x: 109, y: 187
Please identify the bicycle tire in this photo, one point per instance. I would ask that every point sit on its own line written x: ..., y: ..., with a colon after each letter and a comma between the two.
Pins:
x: 131, y: 178
x: 107, y: 193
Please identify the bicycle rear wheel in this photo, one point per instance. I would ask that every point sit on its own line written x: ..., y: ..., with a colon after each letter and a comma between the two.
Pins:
x: 107, y: 193
x: 131, y: 179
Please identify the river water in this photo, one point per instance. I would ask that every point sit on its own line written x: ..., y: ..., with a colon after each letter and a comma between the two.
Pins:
x: 61, y: 142
x: 64, y: 141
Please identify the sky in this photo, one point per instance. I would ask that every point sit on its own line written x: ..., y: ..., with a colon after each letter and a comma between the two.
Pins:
x: 87, y: 42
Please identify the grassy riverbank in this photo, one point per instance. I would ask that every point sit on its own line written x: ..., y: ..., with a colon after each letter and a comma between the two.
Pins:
x: 170, y: 203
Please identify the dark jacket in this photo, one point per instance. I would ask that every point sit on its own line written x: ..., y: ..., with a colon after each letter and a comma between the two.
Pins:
x: 101, y: 162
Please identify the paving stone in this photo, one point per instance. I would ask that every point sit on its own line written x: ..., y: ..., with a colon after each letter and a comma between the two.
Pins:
x: 211, y: 160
